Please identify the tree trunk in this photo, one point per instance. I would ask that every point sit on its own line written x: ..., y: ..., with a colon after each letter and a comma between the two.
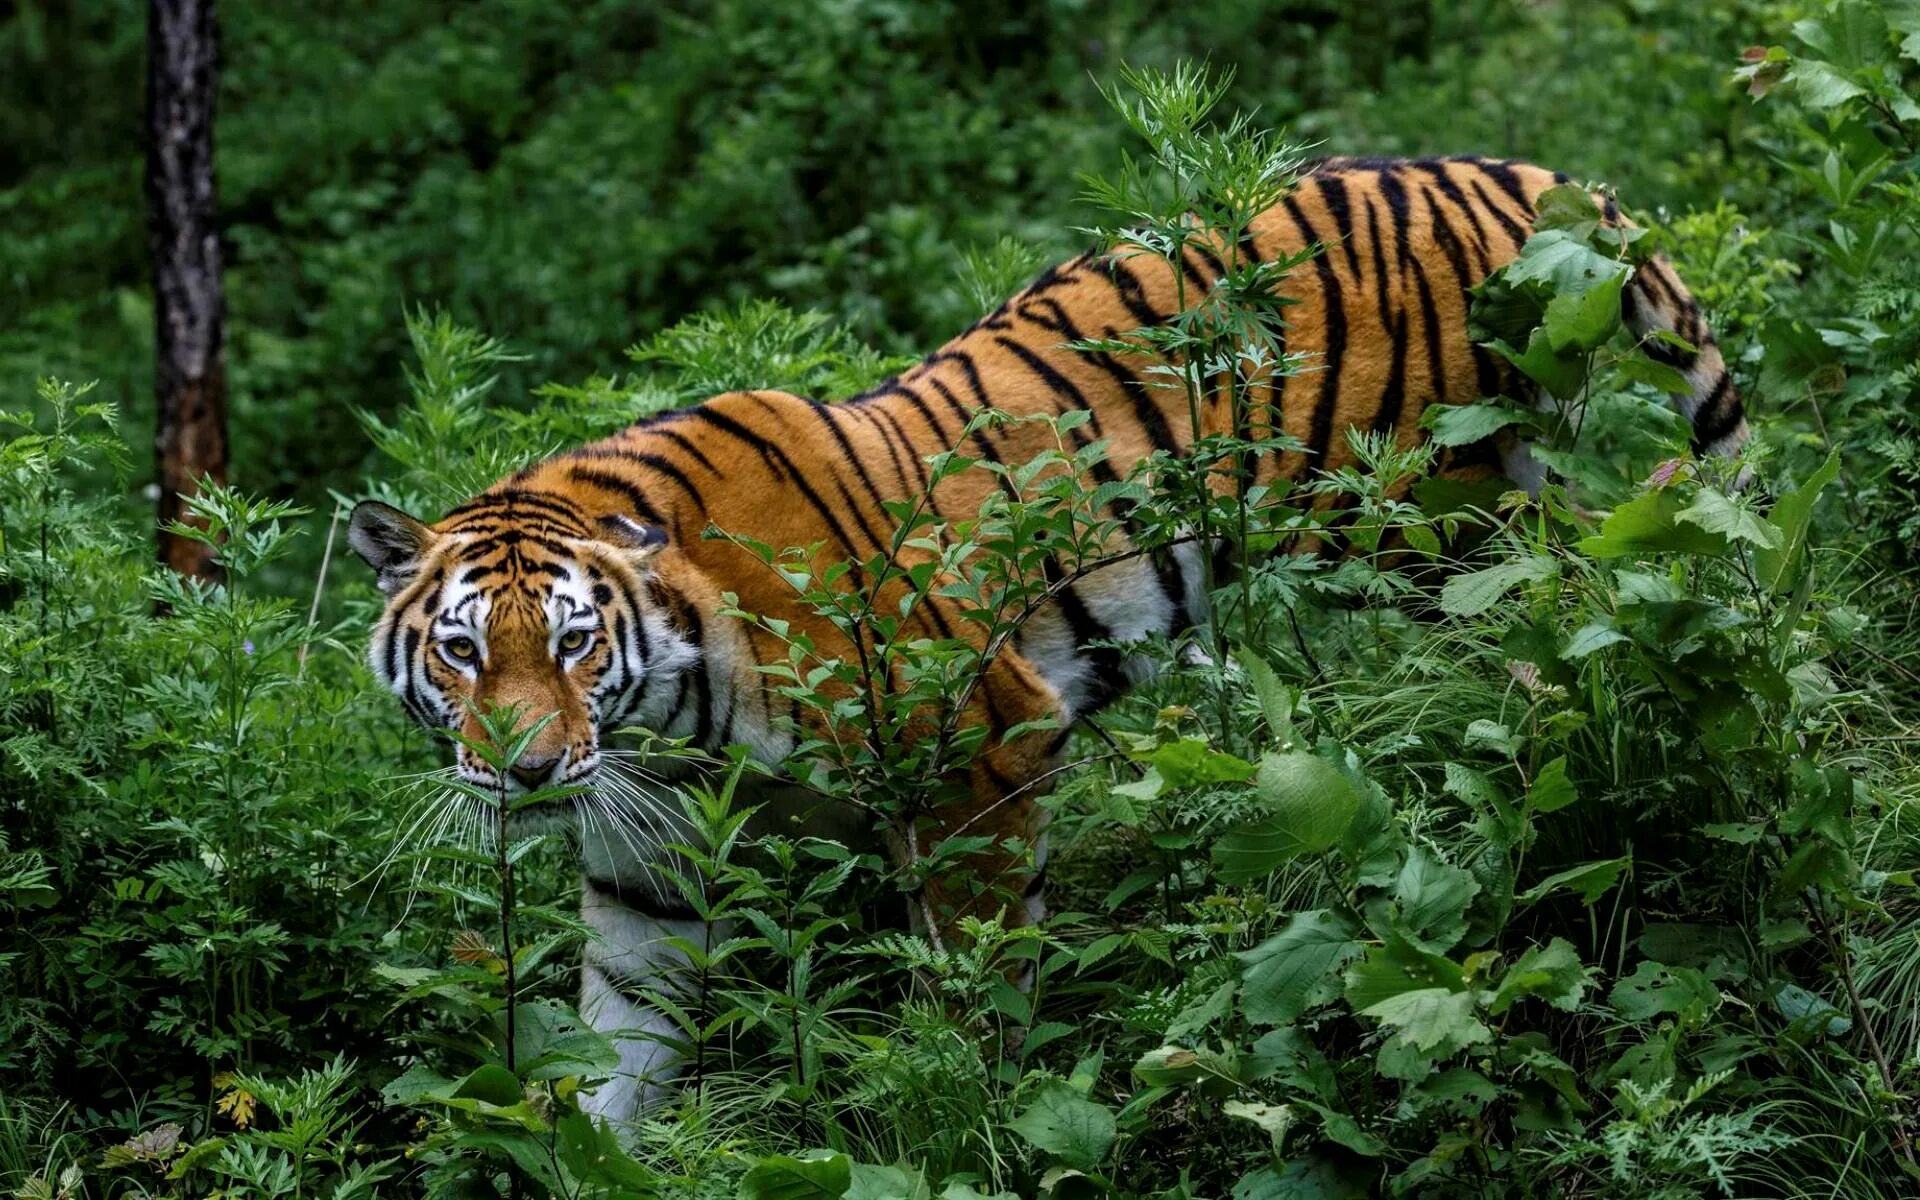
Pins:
x: 189, y: 306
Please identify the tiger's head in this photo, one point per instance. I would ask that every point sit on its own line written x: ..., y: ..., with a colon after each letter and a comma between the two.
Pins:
x: 524, y: 605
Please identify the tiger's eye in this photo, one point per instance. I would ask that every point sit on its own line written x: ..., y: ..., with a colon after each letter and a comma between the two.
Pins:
x: 572, y: 640
x: 462, y: 649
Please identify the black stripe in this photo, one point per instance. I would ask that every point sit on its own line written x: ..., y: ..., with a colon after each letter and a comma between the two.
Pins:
x: 890, y: 428
x: 1507, y: 180
x: 783, y: 469
x: 686, y: 443
x: 1334, y: 307
x: 1394, y: 192
x: 1333, y: 193
x: 1132, y: 293
x: 1718, y: 415
x: 1430, y: 318
x: 1151, y: 419
x: 1450, y: 244
x: 1212, y: 260
x: 1454, y: 195
x: 620, y: 487
x: 1514, y: 232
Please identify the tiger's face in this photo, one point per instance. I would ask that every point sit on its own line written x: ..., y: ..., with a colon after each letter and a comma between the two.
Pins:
x: 522, y: 610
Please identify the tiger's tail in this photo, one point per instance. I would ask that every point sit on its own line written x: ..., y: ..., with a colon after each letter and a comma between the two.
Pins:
x: 1655, y: 301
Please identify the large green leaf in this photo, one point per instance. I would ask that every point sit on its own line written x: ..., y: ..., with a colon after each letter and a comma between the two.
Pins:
x: 887, y: 1183
x: 1433, y: 1020
x: 1552, y: 973
x: 1395, y: 967
x: 1777, y: 566
x: 1565, y: 262
x: 813, y: 1175
x: 1655, y: 989
x: 1715, y: 512
x: 1592, y: 880
x: 1464, y: 424
x: 1304, y: 1177
x: 1309, y: 804
x: 1583, y: 320
x: 1647, y: 524
x: 1067, y: 1125
x: 1432, y: 898
x: 1297, y: 968
x: 1477, y: 591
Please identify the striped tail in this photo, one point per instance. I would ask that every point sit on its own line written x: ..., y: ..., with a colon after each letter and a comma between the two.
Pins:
x: 1656, y: 301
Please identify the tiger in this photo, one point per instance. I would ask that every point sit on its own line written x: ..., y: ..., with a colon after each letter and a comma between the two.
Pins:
x: 581, y: 588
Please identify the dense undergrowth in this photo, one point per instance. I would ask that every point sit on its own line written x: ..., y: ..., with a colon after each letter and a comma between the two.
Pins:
x: 1582, y: 866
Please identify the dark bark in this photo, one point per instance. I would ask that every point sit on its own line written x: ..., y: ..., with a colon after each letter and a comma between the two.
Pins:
x: 189, y: 309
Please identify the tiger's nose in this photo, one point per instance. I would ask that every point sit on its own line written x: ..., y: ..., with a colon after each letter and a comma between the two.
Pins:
x: 533, y: 772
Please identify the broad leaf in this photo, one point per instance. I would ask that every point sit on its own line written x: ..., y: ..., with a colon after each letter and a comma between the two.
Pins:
x: 1792, y: 516
x: 1433, y: 1020
x: 1591, y: 880
x: 1464, y: 424
x: 1309, y: 803
x: 814, y: 1175
x: 1552, y: 973
x: 1715, y: 513
x: 1475, y: 592
x: 1432, y: 898
x: 1648, y: 523
x: 1067, y: 1125
x: 1297, y: 968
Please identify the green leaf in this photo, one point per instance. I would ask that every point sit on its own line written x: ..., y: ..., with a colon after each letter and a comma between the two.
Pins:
x: 1304, y: 1177
x: 1276, y: 1119
x: 1584, y: 320
x: 1276, y: 698
x: 1433, y: 1020
x: 1819, y: 85
x: 1309, y: 802
x: 1715, y: 513
x: 1552, y: 973
x: 814, y: 1175
x: 1822, y: 799
x: 1189, y: 762
x: 1594, y: 635
x: 1655, y: 989
x: 1648, y: 524
x: 1298, y: 968
x: 1778, y: 566
x: 1565, y: 262
x: 1560, y: 374
x: 887, y: 1183
x: 1797, y: 1004
x: 1551, y: 790
x: 1464, y: 424
x: 1567, y: 206
x: 1341, y: 1128
x: 1591, y: 880
x: 1475, y: 592
x: 1432, y: 898
x: 1655, y: 374
x: 1740, y: 833
x: 1067, y: 1125
x: 1394, y: 968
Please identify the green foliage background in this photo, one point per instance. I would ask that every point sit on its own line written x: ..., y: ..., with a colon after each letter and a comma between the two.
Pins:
x: 1695, y: 738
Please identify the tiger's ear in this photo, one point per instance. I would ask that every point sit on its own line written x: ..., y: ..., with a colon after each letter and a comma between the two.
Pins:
x: 640, y: 542
x: 391, y: 541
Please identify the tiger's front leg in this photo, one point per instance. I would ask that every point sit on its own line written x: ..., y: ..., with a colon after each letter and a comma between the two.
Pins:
x: 637, y: 952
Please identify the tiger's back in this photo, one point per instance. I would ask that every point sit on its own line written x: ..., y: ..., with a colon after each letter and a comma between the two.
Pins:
x: 1381, y: 314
